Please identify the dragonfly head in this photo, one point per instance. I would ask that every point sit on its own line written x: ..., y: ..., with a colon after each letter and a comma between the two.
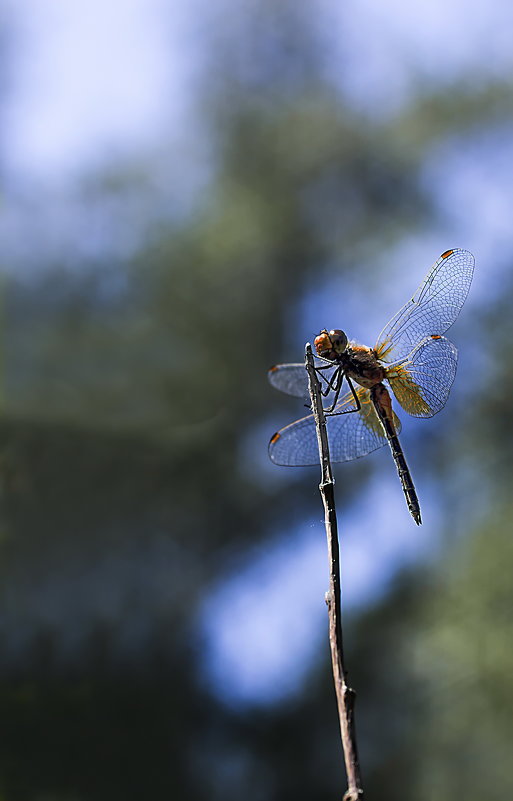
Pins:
x: 330, y: 344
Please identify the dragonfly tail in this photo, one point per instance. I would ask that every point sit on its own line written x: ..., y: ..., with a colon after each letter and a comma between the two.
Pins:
x: 383, y: 405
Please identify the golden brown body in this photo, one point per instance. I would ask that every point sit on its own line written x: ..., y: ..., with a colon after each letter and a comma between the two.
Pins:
x: 361, y: 364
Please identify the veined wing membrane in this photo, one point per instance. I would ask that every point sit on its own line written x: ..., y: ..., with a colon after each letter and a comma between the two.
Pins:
x: 422, y: 382
x: 292, y: 379
x: 350, y: 435
x: 354, y: 435
x: 289, y: 378
x: 432, y: 310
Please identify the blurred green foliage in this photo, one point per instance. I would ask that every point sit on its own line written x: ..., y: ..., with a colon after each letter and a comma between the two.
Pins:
x: 128, y: 387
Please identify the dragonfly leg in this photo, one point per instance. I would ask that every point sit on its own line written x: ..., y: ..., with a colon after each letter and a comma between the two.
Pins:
x: 330, y: 411
x: 336, y: 386
x: 332, y: 384
x: 329, y: 383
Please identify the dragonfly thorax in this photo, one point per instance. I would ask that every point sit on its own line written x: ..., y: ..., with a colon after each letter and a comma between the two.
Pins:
x: 362, y: 365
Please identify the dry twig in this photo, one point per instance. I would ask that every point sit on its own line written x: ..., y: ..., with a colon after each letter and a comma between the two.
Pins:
x: 345, y: 695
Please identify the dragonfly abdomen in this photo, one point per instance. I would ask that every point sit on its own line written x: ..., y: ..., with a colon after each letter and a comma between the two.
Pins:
x: 382, y: 403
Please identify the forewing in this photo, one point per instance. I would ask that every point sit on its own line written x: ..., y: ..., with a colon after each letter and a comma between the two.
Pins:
x: 350, y: 435
x: 432, y: 310
x: 423, y: 381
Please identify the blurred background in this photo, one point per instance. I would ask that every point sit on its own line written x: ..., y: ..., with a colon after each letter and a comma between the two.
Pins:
x: 189, y: 192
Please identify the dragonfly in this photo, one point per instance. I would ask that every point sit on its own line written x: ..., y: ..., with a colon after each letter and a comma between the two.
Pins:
x: 411, y: 358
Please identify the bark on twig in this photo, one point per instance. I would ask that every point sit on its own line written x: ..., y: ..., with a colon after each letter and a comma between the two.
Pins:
x: 345, y: 695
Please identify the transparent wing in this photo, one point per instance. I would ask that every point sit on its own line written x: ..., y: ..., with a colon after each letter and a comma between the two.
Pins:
x: 350, y: 435
x: 293, y: 379
x: 296, y: 444
x: 289, y: 378
x: 432, y: 310
x: 423, y: 381
x: 354, y: 435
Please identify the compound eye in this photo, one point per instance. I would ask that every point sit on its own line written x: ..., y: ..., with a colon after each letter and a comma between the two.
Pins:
x: 338, y: 340
x: 322, y: 344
